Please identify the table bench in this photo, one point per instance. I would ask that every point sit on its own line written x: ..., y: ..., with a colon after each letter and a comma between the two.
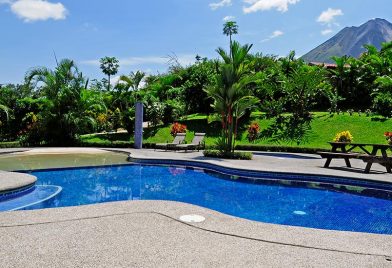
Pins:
x: 339, y: 150
x: 332, y: 155
x: 370, y: 159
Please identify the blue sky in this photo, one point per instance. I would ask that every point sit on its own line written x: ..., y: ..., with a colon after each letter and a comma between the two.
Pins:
x: 142, y: 34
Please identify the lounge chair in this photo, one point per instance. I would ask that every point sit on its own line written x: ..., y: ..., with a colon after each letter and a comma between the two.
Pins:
x: 178, y: 139
x: 196, y: 144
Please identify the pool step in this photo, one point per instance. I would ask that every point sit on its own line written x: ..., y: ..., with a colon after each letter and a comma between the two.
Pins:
x: 41, y: 193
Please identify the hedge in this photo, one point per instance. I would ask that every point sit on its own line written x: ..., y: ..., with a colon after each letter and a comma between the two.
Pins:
x: 10, y: 144
x: 231, y: 155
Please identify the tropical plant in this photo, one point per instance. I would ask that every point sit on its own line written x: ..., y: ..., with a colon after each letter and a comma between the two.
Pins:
x: 68, y: 106
x: 109, y: 66
x: 253, y: 132
x: 230, y: 94
x: 382, y: 96
x: 133, y: 81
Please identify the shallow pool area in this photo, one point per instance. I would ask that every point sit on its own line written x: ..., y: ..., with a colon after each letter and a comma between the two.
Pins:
x: 281, y: 201
x: 34, y: 159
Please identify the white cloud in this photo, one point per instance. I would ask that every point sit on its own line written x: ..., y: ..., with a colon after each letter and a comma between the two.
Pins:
x: 223, y: 3
x: 184, y: 60
x: 275, y: 34
x: 228, y: 18
x: 33, y: 10
x: 328, y: 16
x: 326, y: 31
x: 262, y: 5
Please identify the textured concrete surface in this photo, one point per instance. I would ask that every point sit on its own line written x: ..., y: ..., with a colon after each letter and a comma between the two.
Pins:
x: 11, y: 181
x: 149, y: 234
x: 279, y: 162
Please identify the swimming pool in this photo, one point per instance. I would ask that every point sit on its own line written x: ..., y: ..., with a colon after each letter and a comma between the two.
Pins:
x: 271, y: 199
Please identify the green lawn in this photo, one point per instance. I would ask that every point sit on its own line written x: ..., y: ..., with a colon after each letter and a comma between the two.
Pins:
x: 324, y: 127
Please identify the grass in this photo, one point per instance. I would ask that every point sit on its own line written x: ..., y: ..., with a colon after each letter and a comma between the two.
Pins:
x: 324, y: 128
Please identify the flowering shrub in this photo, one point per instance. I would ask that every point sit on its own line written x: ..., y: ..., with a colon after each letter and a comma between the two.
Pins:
x: 388, y: 136
x: 253, y: 132
x: 177, y: 128
x: 344, y: 136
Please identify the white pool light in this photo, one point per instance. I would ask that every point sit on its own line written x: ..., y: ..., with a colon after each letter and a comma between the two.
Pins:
x: 192, y: 218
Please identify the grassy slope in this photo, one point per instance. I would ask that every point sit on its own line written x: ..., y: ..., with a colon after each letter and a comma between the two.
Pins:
x: 324, y: 127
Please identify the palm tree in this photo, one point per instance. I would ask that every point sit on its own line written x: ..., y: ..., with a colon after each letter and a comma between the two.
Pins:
x: 230, y: 93
x: 109, y: 66
x: 133, y: 81
x: 230, y: 28
x: 67, y: 111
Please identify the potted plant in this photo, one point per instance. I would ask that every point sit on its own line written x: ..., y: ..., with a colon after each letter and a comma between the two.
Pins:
x: 344, y: 136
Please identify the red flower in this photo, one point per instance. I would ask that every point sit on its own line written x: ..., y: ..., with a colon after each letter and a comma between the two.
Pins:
x: 177, y: 128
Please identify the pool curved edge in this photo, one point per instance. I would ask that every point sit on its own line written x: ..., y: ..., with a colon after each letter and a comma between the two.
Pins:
x: 256, y: 174
x: 216, y: 222
x: 14, y: 183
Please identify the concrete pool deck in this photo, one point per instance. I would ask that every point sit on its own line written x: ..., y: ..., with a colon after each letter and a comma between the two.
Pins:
x: 150, y: 234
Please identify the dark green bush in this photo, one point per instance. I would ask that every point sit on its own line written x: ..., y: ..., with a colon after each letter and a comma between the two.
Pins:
x: 382, y: 104
x: 10, y: 144
x: 278, y: 148
x: 114, y: 144
x: 231, y: 155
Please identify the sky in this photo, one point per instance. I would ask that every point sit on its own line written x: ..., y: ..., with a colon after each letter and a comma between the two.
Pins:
x: 144, y: 35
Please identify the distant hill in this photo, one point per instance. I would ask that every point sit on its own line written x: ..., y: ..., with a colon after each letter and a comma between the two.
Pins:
x: 350, y: 41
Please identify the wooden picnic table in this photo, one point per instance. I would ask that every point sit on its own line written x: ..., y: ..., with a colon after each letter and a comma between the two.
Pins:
x: 370, y: 156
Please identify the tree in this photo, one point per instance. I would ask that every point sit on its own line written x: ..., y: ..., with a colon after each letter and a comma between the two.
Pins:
x: 133, y: 81
x: 109, y: 66
x: 230, y: 28
x: 230, y: 93
x: 66, y: 107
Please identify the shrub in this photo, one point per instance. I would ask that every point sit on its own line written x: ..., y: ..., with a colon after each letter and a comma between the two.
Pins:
x: 388, y: 136
x: 228, y: 155
x: 382, y: 104
x: 350, y: 112
x: 177, y: 128
x: 253, y: 132
x: 344, y: 136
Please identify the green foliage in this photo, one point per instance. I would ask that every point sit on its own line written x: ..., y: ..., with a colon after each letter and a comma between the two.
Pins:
x: 228, y: 155
x: 230, y: 93
x: 382, y: 96
x: 291, y: 92
x: 155, y: 112
x: 66, y: 106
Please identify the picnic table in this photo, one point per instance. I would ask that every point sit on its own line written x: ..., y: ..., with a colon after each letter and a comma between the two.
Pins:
x: 345, y: 150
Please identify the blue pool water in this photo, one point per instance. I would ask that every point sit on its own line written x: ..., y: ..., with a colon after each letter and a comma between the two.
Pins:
x: 316, y: 205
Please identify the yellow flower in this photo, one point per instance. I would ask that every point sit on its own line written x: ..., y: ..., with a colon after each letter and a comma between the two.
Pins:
x: 344, y: 136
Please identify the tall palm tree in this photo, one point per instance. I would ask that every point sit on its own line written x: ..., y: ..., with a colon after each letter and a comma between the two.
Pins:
x: 230, y: 28
x: 109, y: 66
x: 230, y: 92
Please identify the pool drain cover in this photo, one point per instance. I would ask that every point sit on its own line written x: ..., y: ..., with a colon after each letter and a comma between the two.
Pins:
x: 299, y: 212
x: 192, y: 218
